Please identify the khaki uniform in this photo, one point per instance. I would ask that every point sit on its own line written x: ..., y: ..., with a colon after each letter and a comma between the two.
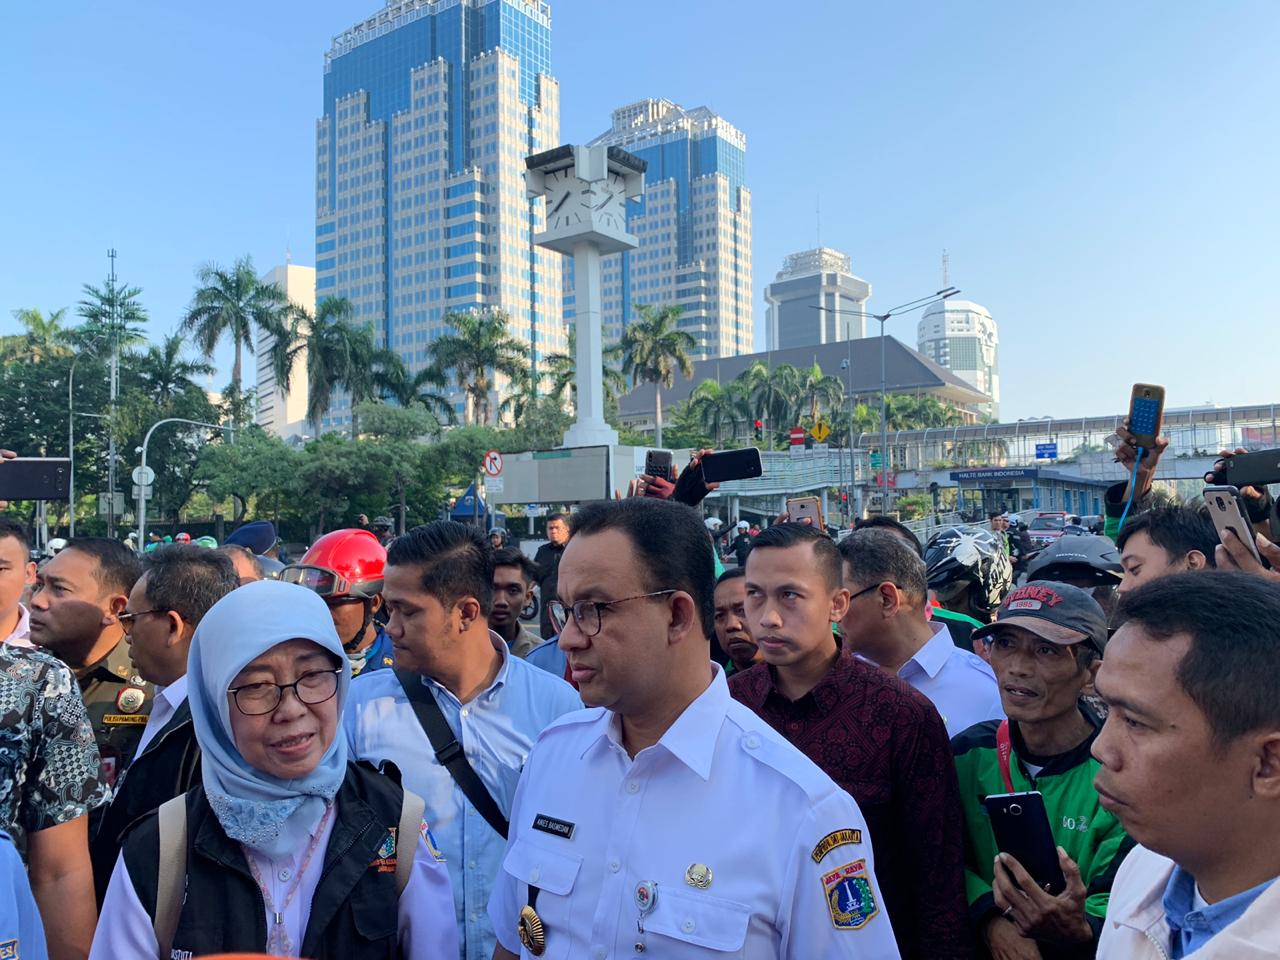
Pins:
x: 526, y: 640
x: 118, y: 702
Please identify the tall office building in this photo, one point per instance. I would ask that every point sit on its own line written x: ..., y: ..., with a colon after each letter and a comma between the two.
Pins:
x: 961, y: 336
x: 816, y: 299
x: 430, y: 107
x: 693, y: 223
x: 284, y: 413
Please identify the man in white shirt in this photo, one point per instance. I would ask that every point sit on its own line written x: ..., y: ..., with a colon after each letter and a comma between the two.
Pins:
x: 618, y: 843
x: 17, y: 572
x: 887, y: 624
x: 178, y: 585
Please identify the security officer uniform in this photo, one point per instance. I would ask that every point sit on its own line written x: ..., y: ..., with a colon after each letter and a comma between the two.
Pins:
x: 118, y: 702
x: 610, y: 856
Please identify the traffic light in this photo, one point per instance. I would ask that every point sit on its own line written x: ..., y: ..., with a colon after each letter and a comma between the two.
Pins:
x: 759, y: 429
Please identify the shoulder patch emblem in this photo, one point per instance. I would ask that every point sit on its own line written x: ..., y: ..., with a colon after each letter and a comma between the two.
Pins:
x: 9, y: 950
x: 131, y: 699
x: 850, y: 899
x: 384, y: 861
x: 429, y: 839
x: 836, y: 838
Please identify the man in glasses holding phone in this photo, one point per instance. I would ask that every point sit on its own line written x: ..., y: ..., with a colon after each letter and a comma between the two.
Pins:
x: 617, y: 841
x: 1045, y: 647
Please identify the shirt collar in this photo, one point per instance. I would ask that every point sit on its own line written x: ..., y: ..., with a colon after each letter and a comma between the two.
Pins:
x: 500, y: 678
x: 933, y: 656
x: 827, y: 694
x: 692, y: 738
x: 1180, y: 911
x: 23, y: 628
x: 174, y: 693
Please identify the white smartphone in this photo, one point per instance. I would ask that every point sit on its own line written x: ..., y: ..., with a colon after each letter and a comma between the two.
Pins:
x: 1227, y: 510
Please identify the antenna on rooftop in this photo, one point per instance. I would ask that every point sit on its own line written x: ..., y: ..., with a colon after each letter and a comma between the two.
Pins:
x: 946, y: 269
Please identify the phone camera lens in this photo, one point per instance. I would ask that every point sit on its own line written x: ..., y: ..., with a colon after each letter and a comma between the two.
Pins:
x: 1015, y: 809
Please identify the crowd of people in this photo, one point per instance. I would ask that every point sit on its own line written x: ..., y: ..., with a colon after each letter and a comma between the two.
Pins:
x: 820, y: 750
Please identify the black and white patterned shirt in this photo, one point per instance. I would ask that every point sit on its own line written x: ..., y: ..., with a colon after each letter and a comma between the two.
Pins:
x: 50, y: 771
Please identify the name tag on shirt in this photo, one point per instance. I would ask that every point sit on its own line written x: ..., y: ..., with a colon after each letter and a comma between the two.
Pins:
x: 557, y: 828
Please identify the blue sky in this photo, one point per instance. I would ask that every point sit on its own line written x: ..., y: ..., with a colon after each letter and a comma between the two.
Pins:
x: 1103, y: 175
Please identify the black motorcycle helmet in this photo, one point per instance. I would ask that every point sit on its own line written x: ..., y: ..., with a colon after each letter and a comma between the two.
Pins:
x: 969, y: 556
x: 1084, y: 560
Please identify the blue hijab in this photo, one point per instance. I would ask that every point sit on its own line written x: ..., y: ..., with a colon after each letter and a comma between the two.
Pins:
x: 271, y: 815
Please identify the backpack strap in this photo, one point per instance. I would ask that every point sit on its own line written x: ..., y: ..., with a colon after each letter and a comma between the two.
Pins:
x: 171, y: 875
x: 411, y: 811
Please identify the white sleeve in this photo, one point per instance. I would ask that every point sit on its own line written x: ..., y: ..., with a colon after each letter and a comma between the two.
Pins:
x: 834, y: 908
x: 124, y: 929
x: 505, y: 893
x: 427, y: 923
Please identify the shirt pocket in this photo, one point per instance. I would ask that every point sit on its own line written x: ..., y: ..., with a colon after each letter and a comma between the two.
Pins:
x: 696, y: 924
x: 554, y: 873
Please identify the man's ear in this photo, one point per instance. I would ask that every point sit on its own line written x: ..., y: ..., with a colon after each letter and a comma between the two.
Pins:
x: 1092, y: 670
x: 468, y: 610
x: 1266, y: 775
x: 839, y: 605
x: 31, y: 573
x: 375, y: 603
x: 891, y: 599
x: 179, y: 629
x: 682, y: 617
x: 115, y: 606
x: 1195, y: 560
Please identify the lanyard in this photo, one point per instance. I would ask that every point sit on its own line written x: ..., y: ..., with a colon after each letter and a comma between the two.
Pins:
x: 1004, y: 751
x: 278, y: 943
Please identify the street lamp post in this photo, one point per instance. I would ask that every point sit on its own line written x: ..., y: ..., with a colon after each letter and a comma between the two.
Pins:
x: 142, y: 487
x: 909, y: 307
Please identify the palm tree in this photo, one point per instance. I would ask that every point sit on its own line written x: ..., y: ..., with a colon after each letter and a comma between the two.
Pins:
x: 45, y: 336
x: 479, y: 349
x: 774, y: 395
x: 112, y: 315
x: 410, y: 390
x: 653, y: 349
x: 718, y: 409
x: 165, y: 373
x: 820, y: 391
x: 233, y: 303
x: 562, y: 368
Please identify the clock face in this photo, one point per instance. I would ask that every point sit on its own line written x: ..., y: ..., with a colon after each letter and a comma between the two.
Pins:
x: 608, y: 202
x: 566, y: 204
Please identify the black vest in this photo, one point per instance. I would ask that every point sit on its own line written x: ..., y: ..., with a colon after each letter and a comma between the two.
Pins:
x: 354, y: 913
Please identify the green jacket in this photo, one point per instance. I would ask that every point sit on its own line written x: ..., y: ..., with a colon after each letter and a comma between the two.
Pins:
x: 1092, y: 837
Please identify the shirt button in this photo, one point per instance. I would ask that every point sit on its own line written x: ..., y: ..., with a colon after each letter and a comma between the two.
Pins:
x: 285, y: 875
x: 633, y: 786
x: 535, y: 875
x: 465, y: 711
x: 471, y: 865
x: 687, y: 926
x: 615, y: 866
x: 752, y: 741
x: 599, y: 953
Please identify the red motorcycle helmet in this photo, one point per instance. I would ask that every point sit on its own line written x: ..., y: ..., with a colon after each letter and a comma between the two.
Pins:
x: 342, y: 563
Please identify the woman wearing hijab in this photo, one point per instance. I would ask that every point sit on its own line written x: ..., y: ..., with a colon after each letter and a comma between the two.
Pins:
x: 289, y: 849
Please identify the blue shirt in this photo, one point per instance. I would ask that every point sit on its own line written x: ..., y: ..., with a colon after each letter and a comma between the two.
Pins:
x: 21, y: 932
x: 379, y: 655
x: 1190, y: 929
x: 549, y: 657
x: 497, y: 729
x: 959, y: 683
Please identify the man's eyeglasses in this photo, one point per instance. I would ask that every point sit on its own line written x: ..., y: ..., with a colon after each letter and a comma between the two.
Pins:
x: 874, y: 586
x: 586, y: 613
x: 127, y: 619
x: 257, y: 699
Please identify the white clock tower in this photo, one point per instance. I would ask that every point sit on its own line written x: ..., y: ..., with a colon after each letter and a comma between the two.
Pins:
x: 587, y: 189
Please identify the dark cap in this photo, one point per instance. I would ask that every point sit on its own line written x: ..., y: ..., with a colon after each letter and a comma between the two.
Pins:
x: 1057, y: 612
x: 259, y: 536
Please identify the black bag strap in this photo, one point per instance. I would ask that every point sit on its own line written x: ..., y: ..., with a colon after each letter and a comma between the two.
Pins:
x: 449, y: 751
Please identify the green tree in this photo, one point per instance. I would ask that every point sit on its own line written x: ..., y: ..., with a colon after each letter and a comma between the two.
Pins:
x: 165, y: 373
x: 562, y: 368
x: 479, y: 348
x: 719, y: 410
x: 822, y: 393
x: 233, y: 304
x: 685, y: 429
x: 653, y: 350
x: 43, y: 337
x: 774, y: 396
x: 257, y: 469
x: 421, y: 390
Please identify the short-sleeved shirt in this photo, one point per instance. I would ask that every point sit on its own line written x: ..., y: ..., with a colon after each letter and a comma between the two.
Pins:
x: 118, y: 702
x: 21, y: 931
x: 591, y: 826
x: 50, y: 772
x: 958, y: 682
x: 887, y: 746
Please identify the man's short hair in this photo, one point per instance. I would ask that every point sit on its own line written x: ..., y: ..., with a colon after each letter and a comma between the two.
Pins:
x: 188, y: 579
x: 733, y: 573
x: 118, y: 567
x: 1232, y: 667
x: 892, y: 525
x: 671, y: 545
x: 562, y: 517
x: 514, y: 557
x: 456, y: 561
x: 1177, y: 530
x: 9, y: 528
x: 233, y: 550
x: 876, y: 556
x: 826, y: 557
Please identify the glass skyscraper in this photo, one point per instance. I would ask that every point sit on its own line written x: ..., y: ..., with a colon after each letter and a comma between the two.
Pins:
x: 430, y: 107
x: 693, y: 223
x: 961, y: 336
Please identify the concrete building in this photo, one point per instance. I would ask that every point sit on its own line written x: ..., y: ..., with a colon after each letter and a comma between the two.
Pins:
x: 430, y: 107
x: 694, y: 226
x: 279, y: 412
x: 961, y: 336
x: 815, y: 299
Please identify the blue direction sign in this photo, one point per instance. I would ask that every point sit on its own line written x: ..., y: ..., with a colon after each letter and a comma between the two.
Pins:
x: 1046, y: 451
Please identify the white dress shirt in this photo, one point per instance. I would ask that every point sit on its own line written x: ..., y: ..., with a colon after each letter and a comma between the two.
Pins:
x: 791, y: 878
x: 21, y: 636
x: 497, y: 729
x: 125, y: 929
x: 960, y: 683
x: 163, y: 707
